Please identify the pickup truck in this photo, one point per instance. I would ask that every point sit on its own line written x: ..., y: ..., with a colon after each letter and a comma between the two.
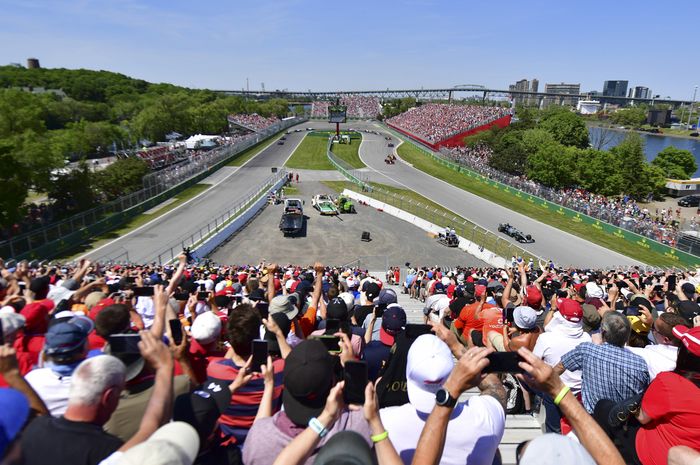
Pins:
x: 292, y: 221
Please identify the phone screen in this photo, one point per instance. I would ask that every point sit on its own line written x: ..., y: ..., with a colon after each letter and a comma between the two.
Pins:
x: 181, y: 296
x: 124, y: 343
x: 202, y: 295
x: 259, y: 350
x: 131, y: 279
x: 263, y: 308
x: 671, y: 283
x: 355, y: 377
x: 143, y: 291
x: 504, y: 362
x: 176, y: 331
x: 331, y: 343
x: 414, y: 330
x: 332, y: 326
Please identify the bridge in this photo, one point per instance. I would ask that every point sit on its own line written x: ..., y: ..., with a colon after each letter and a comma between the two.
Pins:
x: 446, y: 93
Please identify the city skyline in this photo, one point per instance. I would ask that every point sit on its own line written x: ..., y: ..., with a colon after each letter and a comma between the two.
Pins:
x: 301, y: 45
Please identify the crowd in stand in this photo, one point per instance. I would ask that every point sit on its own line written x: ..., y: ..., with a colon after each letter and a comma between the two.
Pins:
x: 661, y: 225
x: 253, y: 121
x: 435, y: 122
x: 358, y: 106
x: 260, y: 364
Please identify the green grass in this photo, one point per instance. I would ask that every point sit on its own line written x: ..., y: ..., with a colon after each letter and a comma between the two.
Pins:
x: 349, y: 153
x: 310, y: 155
x: 415, y: 156
x: 135, y: 222
x: 418, y: 205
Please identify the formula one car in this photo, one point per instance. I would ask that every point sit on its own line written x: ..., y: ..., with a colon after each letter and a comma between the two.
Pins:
x: 515, y: 233
x: 324, y: 204
x: 449, y: 240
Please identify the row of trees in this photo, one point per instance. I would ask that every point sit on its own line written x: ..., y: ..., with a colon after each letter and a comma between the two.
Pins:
x: 552, y: 148
x: 39, y: 133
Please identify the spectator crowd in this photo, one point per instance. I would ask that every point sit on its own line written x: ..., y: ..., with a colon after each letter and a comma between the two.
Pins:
x: 435, y: 122
x: 358, y: 106
x: 253, y: 121
x: 662, y: 225
x: 260, y: 364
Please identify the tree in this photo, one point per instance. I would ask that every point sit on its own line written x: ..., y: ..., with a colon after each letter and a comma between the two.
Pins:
x: 552, y: 165
x: 566, y: 127
x: 20, y: 111
x: 599, y: 172
x: 511, y: 155
x: 630, y: 117
x: 676, y: 163
x: 74, y: 191
x: 631, y: 161
x: 527, y: 117
x: 121, y: 177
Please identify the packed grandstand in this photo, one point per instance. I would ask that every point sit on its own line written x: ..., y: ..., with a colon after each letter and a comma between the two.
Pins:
x: 358, y: 106
x: 611, y: 356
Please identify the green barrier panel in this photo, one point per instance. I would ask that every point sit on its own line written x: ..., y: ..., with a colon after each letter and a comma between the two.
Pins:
x: 683, y: 258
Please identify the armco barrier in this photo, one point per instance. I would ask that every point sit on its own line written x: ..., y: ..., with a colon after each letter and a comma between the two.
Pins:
x: 469, y: 247
x: 71, y: 241
x: 636, y: 240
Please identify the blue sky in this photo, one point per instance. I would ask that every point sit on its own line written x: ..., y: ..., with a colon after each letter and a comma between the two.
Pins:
x: 362, y: 44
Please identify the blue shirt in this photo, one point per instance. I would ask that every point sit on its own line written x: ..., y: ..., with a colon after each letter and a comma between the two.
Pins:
x: 607, y: 372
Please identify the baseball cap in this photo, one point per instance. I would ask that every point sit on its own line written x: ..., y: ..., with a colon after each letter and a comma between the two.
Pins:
x: 690, y: 337
x: 428, y: 365
x: 688, y: 289
x: 393, y: 321
x: 67, y: 337
x: 525, y: 317
x: 15, y: 411
x: 688, y: 309
x: 386, y: 297
x: 284, y: 324
x: 206, y: 328
x: 94, y: 298
x: 308, y: 378
x: 349, y: 299
x: 203, y: 407
x: 570, y: 310
x: 637, y: 325
x: 372, y: 290
x: 11, y: 322
x: 555, y: 449
x: 479, y: 290
x: 175, y: 443
x: 593, y: 290
x: 282, y: 303
x: 338, y: 309
x: 346, y: 447
x: 534, y: 297
x: 439, y: 288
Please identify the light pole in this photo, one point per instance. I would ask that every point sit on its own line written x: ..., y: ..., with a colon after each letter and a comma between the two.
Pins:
x: 690, y: 111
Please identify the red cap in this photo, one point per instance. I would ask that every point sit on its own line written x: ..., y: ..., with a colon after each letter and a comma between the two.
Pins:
x: 579, y: 286
x: 534, y: 296
x: 37, y: 316
x: 479, y: 289
x: 690, y: 337
x: 99, y: 306
x: 242, y: 278
x: 570, y: 309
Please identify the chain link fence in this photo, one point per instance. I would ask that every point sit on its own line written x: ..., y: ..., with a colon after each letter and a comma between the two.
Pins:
x: 155, y: 184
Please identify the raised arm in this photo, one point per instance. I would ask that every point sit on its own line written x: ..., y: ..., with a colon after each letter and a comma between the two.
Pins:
x: 505, y: 298
x: 177, y: 276
x: 271, y: 268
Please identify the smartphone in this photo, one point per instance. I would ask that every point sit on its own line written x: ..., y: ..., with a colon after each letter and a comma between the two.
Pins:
x: 131, y: 279
x: 181, y: 296
x: 263, y: 309
x: 259, y: 351
x: 143, y: 291
x: 331, y: 343
x: 332, y: 326
x: 355, y: 377
x: 202, y: 295
x: 414, y: 330
x: 671, y: 280
x: 124, y: 343
x: 504, y: 362
x: 176, y: 331
x: 2, y: 335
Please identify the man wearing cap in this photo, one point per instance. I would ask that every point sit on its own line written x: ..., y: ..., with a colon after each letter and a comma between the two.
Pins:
x: 475, y: 427
x: 371, y: 291
x: 662, y: 355
x: 336, y: 309
x: 377, y: 352
x: 11, y: 323
x: 385, y: 298
x: 204, y: 345
x: 525, y: 332
x: 436, y: 304
x: 64, y: 349
x: 308, y: 379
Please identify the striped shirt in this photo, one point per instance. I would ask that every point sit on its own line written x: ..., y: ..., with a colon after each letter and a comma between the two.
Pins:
x: 238, y: 417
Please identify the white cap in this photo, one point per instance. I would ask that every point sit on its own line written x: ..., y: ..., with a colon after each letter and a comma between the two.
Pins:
x: 11, y: 321
x: 446, y: 281
x: 175, y: 443
x: 428, y: 365
x: 220, y: 286
x: 206, y: 328
x: 525, y: 317
x: 594, y: 291
x: 348, y: 298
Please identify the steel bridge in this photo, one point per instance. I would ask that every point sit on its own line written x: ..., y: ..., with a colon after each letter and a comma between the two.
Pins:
x: 447, y: 93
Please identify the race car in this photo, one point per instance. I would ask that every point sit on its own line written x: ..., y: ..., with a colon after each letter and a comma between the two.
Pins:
x: 324, y: 204
x: 515, y: 233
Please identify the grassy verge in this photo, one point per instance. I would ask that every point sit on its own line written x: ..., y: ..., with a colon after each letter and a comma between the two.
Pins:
x: 349, y: 153
x: 310, y: 155
x: 418, y: 205
x: 135, y: 222
x: 413, y: 155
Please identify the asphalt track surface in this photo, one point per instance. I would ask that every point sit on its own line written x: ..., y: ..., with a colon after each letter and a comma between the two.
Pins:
x: 336, y: 240
x: 146, y: 242
x: 551, y: 243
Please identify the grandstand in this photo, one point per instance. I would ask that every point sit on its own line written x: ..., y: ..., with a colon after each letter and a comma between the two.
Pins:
x: 446, y: 125
x: 358, y: 107
x: 251, y: 122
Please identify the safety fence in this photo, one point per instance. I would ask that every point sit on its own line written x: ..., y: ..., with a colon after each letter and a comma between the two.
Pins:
x: 353, y: 174
x: 58, y: 238
x: 634, y: 239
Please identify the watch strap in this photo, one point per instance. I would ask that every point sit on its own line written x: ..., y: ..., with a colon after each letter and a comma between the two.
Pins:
x: 317, y: 427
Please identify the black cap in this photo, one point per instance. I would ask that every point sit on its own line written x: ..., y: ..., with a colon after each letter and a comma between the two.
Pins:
x: 203, y: 407
x: 337, y: 309
x: 40, y: 287
x: 371, y: 290
x: 308, y: 378
x: 688, y: 309
x: 346, y: 447
x: 284, y: 324
x: 688, y: 289
x: 257, y: 295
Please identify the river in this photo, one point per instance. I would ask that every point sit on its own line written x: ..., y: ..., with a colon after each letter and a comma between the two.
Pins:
x: 653, y: 144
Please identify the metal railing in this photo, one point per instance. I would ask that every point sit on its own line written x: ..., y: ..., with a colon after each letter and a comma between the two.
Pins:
x: 155, y: 184
x: 353, y: 174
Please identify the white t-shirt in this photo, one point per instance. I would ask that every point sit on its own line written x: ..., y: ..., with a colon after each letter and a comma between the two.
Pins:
x: 659, y: 357
x: 552, y: 345
x: 52, y: 388
x: 437, y: 303
x: 473, y: 433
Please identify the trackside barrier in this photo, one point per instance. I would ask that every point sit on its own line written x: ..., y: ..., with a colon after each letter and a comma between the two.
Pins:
x: 346, y: 170
x: 61, y: 237
x: 634, y: 239
x: 464, y: 244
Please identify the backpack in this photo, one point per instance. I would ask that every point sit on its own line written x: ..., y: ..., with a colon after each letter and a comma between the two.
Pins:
x: 391, y: 388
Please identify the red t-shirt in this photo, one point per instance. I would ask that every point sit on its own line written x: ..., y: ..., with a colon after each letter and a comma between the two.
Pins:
x: 492, y: 318
x: 467, y: 319
x: 200, y: 357
x: 673, y: 403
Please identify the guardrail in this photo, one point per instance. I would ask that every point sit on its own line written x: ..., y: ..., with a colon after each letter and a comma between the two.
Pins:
x: 634, y: 239
x: 60, y: 237
x: 346, y: 170
x: 160, y: 185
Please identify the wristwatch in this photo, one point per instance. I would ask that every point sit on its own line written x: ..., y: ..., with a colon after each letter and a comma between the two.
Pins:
x: 444, y: 399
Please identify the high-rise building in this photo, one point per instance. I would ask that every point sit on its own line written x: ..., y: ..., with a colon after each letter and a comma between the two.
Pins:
x: 641, y: 92
x: 614, y: 89
x: 524, y: 85
x: 562, y: 88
